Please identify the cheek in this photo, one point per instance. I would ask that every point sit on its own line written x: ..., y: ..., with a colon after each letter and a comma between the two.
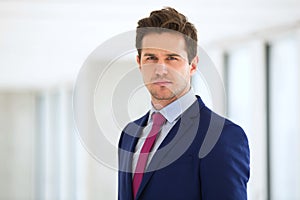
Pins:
x: 180, y: 75
x: 146, y: 74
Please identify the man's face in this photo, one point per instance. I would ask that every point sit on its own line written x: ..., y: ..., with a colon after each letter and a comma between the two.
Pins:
x: 164, y: 66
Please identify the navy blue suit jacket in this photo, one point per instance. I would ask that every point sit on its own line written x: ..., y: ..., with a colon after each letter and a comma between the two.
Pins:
x: 204, y: 156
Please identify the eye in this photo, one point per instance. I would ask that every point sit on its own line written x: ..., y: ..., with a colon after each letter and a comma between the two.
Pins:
x: 172, y: 58
x: 151, y: 58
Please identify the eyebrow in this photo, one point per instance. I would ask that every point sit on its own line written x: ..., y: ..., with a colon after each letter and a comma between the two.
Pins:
x: 149, y: 54
x: 169, y: 54
x: 173, y: 54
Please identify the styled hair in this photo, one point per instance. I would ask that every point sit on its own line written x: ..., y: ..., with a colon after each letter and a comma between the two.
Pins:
x: 168, y: 20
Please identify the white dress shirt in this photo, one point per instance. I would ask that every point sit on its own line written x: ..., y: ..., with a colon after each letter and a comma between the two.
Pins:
x: 172, y: 113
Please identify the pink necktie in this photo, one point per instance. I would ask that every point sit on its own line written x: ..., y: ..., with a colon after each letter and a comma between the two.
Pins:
x: 158, y: 121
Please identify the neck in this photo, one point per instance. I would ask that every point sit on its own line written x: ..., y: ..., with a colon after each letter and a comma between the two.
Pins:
x: 160, y: 104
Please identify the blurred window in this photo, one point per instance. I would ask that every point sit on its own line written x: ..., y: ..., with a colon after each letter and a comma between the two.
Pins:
x: 284, y: 88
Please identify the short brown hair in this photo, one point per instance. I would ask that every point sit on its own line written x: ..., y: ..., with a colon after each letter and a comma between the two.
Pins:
x: 164, y: 20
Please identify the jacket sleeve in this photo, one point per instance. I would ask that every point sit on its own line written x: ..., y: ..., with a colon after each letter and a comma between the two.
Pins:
x: 225, y: 171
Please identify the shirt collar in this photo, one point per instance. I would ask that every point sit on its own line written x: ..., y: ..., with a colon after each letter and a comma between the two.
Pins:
x: 172, y: 111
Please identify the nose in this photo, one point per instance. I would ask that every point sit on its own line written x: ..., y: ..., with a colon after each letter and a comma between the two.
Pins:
x: 161, y: 68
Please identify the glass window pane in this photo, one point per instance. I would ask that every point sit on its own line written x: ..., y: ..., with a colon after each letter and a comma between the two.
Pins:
x: 239, y: 87
x: 284, y: 119
x: 246, y: 107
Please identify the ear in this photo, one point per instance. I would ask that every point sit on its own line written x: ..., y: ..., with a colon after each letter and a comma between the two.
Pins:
x: 194, y: 65
x: 138, y: 61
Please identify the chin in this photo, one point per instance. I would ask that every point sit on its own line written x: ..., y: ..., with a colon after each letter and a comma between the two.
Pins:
x: 164, y: 96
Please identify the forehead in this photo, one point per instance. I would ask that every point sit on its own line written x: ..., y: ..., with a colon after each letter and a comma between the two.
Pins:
x: 165, y: 42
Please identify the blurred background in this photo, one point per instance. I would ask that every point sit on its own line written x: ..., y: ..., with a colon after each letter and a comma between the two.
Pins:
x: 254, y: 44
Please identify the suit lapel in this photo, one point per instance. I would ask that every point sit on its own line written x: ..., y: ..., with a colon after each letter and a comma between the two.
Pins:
x: 173, y: 146
x: 131, y: 134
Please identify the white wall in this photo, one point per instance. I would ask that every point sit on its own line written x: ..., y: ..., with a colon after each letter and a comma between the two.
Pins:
x: 17, y: 145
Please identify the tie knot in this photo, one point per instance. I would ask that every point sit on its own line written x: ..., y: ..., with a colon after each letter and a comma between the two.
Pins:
x: 158, y: 119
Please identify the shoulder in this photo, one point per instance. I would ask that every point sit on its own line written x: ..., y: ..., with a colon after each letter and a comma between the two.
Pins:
x: 230, y: 133
x: 227, y: 128
x: 233, y: 133
x: 230, y: 143
x: 137, y: 123
x: 132, y: 128
x: 222, y: 136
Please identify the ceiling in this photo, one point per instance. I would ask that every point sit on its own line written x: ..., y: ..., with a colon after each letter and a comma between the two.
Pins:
x: 43, y: 43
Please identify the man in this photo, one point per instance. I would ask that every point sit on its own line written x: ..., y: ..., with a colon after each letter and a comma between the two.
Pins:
x: 161, y: 154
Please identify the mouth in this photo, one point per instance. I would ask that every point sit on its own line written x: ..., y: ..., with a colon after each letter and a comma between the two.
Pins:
x: 162, y: 82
